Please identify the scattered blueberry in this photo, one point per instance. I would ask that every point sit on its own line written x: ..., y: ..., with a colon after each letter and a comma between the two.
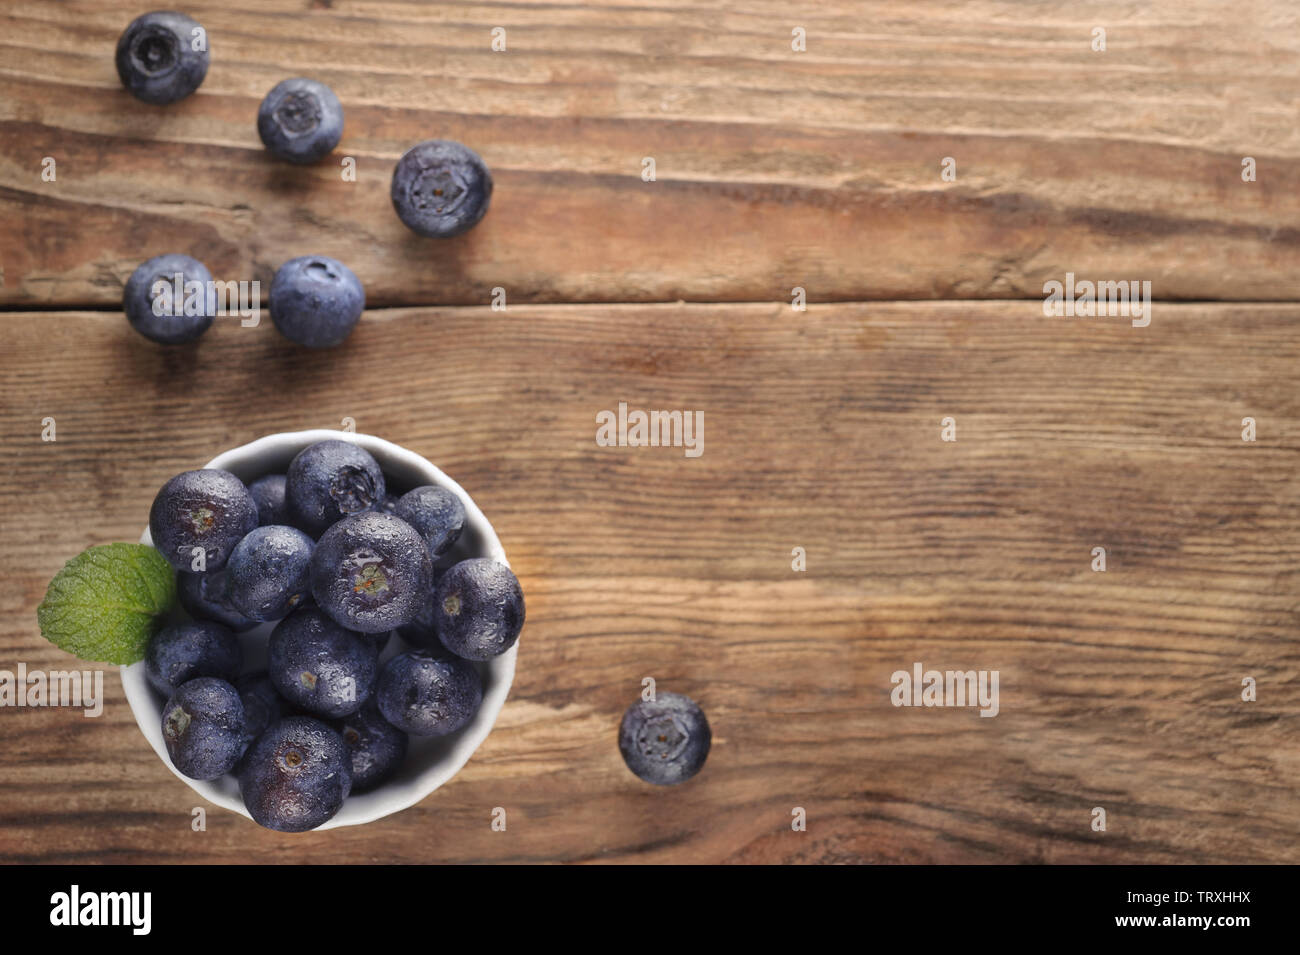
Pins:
x: 330, y: 480
x: 478, y: 609
x: 666, y: 740
x: 266, y: 576
x: 204, y: 596
x: 183, y: 651
x: 441, y: 188
x: 316, y: 301
x: 203, y: 728
x: 376, y: 745
x: 155, y: 310
x: 268, y: 495
x: 157, y: 59
x: 319, y: 666
x: 436, y: 513
x: 300, y: 120
x: 371, y: 572
x: 262, y: 705
x: 296, y: 775
x: 429, y: 693
x: 208, y: 509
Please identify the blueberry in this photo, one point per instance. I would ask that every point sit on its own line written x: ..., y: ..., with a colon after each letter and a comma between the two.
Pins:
x: 208, y: 509
x: 421, y: 631
x: 266, y: 576
x: 268, y: 495
x: 166, y: 313
x: 300, y: 120
x: 296, y: 775
x: 478, y: 609
x: 330, y: 480
x: 388, y: 505
x: 441, y: 188
x: 319, y: 666
x: 666, y: 740
x: 371, y: 572
x: 429, y: 693
x: 377, y: 746
x: 178, y: 653
x: 157, y: 59
x: 203, y: 728
x: 316, y: 301
x: 204, y: 597
x: 262, y: 705
x: 436, y: 513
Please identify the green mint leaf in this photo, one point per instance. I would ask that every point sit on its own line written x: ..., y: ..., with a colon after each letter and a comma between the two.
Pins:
x: 107, y: 602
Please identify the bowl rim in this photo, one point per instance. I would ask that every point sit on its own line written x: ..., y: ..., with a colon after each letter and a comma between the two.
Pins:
x: 147, y: 711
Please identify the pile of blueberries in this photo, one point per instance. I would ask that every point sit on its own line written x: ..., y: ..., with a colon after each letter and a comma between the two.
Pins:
x: 440, y: 189
x: 340, y: 563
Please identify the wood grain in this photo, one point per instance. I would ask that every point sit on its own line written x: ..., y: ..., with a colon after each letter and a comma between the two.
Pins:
x: 775, y: 169
x: 822, y: 430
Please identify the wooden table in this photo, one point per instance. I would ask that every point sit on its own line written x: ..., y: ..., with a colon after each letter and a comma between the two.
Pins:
x: 775, y: 169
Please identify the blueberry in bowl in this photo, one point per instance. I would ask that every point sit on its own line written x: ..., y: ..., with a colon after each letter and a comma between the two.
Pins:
x: 198, y: 517
x: 371, y: 572
x: 300, y: 120
x: 396, y: 779
x: 329, y: 480
x: 182, y: 652
x: 266, y: 575
x: 162, y: 57
x: 320, y: 667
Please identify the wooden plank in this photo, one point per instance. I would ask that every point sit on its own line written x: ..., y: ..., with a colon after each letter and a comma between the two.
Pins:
x: 775, y: 169
x: 822, y: 430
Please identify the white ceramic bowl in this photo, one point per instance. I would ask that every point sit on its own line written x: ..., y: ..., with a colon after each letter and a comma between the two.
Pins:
x: 429, y: 762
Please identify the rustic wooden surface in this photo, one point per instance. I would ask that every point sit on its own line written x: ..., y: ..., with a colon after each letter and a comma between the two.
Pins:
x: 1119, y: 689
x: 774, y: 169
x: 822, y: 429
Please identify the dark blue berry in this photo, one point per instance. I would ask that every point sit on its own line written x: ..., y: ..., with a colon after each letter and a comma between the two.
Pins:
x: 208, y: 509
x: 421, y: 632
x: 377, y: 746
x: 162, y: 310
x: 203, y: 728
x: 330, y: 480
x: 300, y: 120
x: 268, y: 495
x: 441, y: 188
x: 183, y: 651
x: 429, y: 693
x: 371, y: 572
x: 266, y: 576
x: 436, y: 513
x: 478, y: 609
x: 316, y: 301
x: 296, y: 775
x: 262, y: 704
x: 388, y: 505
x: 204, y: 597
x: 666, y: 740
x: 157, y: 60
x: 319, y: 666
